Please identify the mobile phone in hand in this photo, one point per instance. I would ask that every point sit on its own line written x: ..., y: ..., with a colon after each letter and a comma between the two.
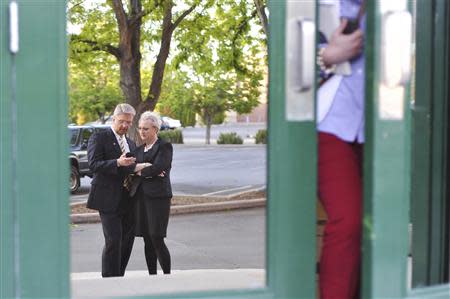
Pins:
x: 129, y: 155
x: 352, y: 26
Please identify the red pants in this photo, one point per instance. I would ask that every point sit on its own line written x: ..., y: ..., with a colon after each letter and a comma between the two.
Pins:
x: 340, y: 191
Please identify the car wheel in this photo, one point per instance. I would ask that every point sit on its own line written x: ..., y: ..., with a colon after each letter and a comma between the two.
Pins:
x: 74, y: 179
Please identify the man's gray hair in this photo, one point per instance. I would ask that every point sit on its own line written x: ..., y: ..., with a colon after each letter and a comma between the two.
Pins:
x: 124, y: 108
x: 151, y: 117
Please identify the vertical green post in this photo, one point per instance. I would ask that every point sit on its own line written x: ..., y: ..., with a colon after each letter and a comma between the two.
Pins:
x: 438, y: 254
x: 386, y: 173
x: 292, y: 172
x: 6, y: 207
x: 421, y: 144
x: 34, y: 167
x: 430, y: 116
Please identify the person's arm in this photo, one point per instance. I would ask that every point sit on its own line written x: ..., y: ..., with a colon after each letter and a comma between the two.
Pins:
x: 342, y: 47
x: 96, y: 157
x: 324, y: 71
x: 163, y: 162
x: 129, y: 167
x: 140, y: 166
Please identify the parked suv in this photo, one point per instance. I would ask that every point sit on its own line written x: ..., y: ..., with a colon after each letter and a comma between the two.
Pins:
x: 79, y: 136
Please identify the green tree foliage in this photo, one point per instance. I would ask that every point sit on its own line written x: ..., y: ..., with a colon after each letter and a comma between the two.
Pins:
x: 227, y: 60
x: 177, y: 97
x: 93, y: 88
x: 217, y: 56
x: 127, y: 30
x: 93, y: 74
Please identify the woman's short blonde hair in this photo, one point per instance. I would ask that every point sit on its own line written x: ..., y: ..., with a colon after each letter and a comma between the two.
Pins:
x: 153, y: 118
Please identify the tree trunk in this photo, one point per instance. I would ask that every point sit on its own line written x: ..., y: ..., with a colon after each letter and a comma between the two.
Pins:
x: 130, y: 77
x: 130, y: 83
x: 208, y: 120
x: 208, y: 133
x: 168, y: 27
x: 260, y: 9
x: 129, y: 55
x: 158, y: 70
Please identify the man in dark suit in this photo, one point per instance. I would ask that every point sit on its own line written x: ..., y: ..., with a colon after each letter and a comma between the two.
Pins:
x: 110, y: 166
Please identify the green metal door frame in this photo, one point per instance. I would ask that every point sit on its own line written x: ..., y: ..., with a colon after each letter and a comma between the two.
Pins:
x: 388, y: 157
x: 386, y: 180
x: 34, y: 222
x: 429, y: 214
x: 41, y: 198
x: 421, y: 138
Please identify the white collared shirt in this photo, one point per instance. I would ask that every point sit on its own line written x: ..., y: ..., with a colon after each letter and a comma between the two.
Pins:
x: 118, y: 137
x: 149, y: 147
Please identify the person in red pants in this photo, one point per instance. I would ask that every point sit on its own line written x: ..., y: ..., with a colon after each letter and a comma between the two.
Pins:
x: 341, y: 138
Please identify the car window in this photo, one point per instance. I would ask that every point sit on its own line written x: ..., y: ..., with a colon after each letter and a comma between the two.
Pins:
x: 101, y: 129
x: 73, y: 136
x: 86, y: 133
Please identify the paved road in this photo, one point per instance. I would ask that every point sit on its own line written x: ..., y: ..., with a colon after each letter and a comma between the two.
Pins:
x: 226, y: 240
x: 218, y: 170
x: 210, y: 170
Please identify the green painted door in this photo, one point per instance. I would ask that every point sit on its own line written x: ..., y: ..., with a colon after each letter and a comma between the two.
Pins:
x: 405, y: 235
x: 34, y: 254
x: 430, y: 208
x: 292, y: 150
x: 34, y: 167
x: 387, y: 150
x: 33, y: 151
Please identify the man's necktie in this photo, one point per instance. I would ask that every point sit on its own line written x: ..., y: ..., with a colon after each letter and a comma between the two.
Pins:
x: 127, y: 181
x: 122, y: 144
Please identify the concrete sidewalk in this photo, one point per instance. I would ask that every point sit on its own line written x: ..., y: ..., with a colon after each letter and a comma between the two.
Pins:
x: 136, y: 283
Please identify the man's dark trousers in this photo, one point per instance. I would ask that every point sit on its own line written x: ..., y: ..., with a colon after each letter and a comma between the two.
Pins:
x: 118, y: 229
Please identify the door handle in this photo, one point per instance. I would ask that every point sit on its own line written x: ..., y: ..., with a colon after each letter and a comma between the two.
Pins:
x: 300, y: 68
x: 302, y: 55
x: 396, y: 48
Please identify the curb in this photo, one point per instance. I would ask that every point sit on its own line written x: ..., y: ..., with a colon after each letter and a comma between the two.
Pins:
x: 185, y: 199
x: 184, y: 209
x: 200, y: 142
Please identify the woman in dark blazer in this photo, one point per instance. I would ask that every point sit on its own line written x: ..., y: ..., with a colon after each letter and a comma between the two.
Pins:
x: 153, y: 192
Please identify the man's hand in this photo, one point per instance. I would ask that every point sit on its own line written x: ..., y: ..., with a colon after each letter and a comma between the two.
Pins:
x: 343, y: 47
x: 124, y: 161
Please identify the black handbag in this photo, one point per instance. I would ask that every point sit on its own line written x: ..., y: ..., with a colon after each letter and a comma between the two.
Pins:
x: 134, y: 185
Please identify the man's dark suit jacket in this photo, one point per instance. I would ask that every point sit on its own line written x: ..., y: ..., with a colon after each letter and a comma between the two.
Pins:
x: 160, y: 156
x: 107, y: 183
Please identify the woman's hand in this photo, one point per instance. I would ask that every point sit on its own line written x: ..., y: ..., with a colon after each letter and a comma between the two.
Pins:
x: 141, y: 166
x: 343, y: 47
